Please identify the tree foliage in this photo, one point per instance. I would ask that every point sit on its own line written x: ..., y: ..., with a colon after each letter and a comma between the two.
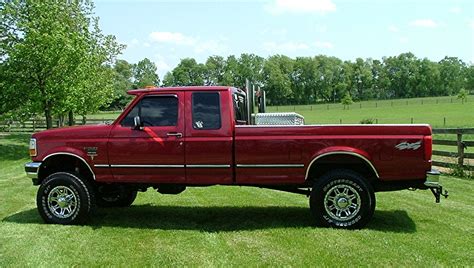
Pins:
x: 322, y: 78
x: 54, y: 58
x: 144, y: 73
x: 346, y: 100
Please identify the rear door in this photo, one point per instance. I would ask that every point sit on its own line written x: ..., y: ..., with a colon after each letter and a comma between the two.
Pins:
x: 156, y: 152
x: 208, y: 138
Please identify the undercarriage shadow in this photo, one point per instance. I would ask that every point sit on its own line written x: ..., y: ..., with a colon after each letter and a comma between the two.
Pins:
x: 217, y: 219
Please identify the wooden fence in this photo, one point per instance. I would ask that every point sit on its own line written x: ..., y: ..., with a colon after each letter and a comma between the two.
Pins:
x: 459, y: 156
x: 33, y: 125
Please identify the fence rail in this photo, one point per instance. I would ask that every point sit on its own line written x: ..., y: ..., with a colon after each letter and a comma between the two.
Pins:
x: 33, y: 125
x: 459, y: 157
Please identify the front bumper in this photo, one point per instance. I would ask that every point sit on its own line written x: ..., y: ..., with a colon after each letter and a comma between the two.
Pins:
x: 32, y: 169
x: 432, y: 183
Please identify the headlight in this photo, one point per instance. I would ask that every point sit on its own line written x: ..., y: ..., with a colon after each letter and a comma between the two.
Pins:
x: 32, y: 148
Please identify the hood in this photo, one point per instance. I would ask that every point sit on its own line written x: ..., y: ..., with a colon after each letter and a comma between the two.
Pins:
x: 89, y: 131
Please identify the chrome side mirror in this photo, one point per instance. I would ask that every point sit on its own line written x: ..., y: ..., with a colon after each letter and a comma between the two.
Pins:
x: 137, y: 124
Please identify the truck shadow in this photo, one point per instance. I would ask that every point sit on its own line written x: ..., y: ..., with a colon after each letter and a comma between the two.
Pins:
x: 217, y: 219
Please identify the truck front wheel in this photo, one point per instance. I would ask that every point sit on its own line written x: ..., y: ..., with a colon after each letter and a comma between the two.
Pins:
x: 63, y: 198
x: 342, y: 199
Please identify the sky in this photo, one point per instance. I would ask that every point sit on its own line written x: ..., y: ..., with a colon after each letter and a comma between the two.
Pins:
x: 167, y: 31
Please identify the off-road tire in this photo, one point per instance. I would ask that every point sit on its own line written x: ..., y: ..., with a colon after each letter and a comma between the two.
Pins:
x: 66, y: 193
x: 342, y: 199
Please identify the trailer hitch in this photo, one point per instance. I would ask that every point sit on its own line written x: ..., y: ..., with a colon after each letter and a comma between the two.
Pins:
x: 438, y: 192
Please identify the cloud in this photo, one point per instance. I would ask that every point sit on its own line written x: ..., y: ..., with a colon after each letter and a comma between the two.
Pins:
x: 284, y: 47
x: 300, y: 6
x: 424, y: 23
x: 471, y: 24
x: 170, y: 37
x: 455, y: 10
x: 213, y: 46
x: 199, y: 46
x: 323, y: 44
x: 161, y: 65
x: 393, y: 29
x: 291, y: 46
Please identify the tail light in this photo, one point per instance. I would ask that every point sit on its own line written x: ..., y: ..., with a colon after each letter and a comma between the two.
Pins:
x: 428, y: 145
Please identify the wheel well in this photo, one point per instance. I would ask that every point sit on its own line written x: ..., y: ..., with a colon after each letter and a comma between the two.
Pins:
x: 64, y: 163
x: 338, y: 161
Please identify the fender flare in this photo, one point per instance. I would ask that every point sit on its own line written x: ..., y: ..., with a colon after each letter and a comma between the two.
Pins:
x: 73, y: 155
x: 341, y: 153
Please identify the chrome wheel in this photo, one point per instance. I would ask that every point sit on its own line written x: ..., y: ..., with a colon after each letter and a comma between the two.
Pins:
x: 342, y: 202
x: 62, y: 202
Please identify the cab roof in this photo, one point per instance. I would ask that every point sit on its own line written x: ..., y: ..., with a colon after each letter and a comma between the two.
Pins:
x: 185, y: 88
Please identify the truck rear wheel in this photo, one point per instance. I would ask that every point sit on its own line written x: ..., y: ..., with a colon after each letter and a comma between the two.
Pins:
x: 342, y: 199
x: 63, y: 198
x: 115, y: 196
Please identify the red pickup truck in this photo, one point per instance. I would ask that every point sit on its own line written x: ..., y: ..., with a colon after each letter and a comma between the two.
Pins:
x: 173, y: 138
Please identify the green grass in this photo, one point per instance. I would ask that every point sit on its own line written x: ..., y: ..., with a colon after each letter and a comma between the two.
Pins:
x: 239, y: 226
x: 431, y: 111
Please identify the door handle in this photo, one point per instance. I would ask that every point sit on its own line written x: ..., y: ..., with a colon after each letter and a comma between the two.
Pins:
x: 176, y: 134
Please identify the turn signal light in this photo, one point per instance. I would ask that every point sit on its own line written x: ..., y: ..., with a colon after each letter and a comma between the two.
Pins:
x: 32, y: 147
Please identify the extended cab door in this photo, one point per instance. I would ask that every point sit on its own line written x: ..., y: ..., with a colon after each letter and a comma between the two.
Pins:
x: 208, y: 138
x: 154, y: 153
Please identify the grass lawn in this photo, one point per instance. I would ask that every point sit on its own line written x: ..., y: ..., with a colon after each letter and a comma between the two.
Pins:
x: 221, y: 226
x: 431, y: 111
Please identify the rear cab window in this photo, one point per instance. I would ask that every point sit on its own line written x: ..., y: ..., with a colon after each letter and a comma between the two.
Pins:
x: 206, y: 110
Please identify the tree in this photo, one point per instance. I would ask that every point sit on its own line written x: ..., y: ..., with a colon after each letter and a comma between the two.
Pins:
x: 54, y: 58
x: 123, y: 75
x: 276, y: 76
x: 452, y: 71
x: 168, y: 80
x: 346, y: 100
x: 144, y: 73
x: 214, y: 70
x: 462, y: 94
x: 188, y: 73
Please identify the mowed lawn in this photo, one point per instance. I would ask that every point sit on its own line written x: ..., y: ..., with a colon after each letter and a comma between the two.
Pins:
x: 437, y: 111
x: 239, y: 226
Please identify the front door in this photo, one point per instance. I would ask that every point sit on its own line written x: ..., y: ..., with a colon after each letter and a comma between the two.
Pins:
x: 154, y: 153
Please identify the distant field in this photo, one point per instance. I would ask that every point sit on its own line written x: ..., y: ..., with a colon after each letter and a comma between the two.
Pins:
x: 229, y: 226
x: 438, y: 112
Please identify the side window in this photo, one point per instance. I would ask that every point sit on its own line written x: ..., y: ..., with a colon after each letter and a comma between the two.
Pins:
x: 154, y: 111
x: 206, y: 110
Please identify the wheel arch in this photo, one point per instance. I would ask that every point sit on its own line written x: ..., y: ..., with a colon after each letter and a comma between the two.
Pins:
x: 348, y: 159
x: 65, y: 162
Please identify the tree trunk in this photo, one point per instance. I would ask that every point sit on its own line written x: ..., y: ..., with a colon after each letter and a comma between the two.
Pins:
x: 84, y: 120
x: 47, y: 115
x: 61, y: 120
x: 71, y: 118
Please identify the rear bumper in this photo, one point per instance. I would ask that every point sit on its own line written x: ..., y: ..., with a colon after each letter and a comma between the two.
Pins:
x: 432, y: 178
x: 432, y: 183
